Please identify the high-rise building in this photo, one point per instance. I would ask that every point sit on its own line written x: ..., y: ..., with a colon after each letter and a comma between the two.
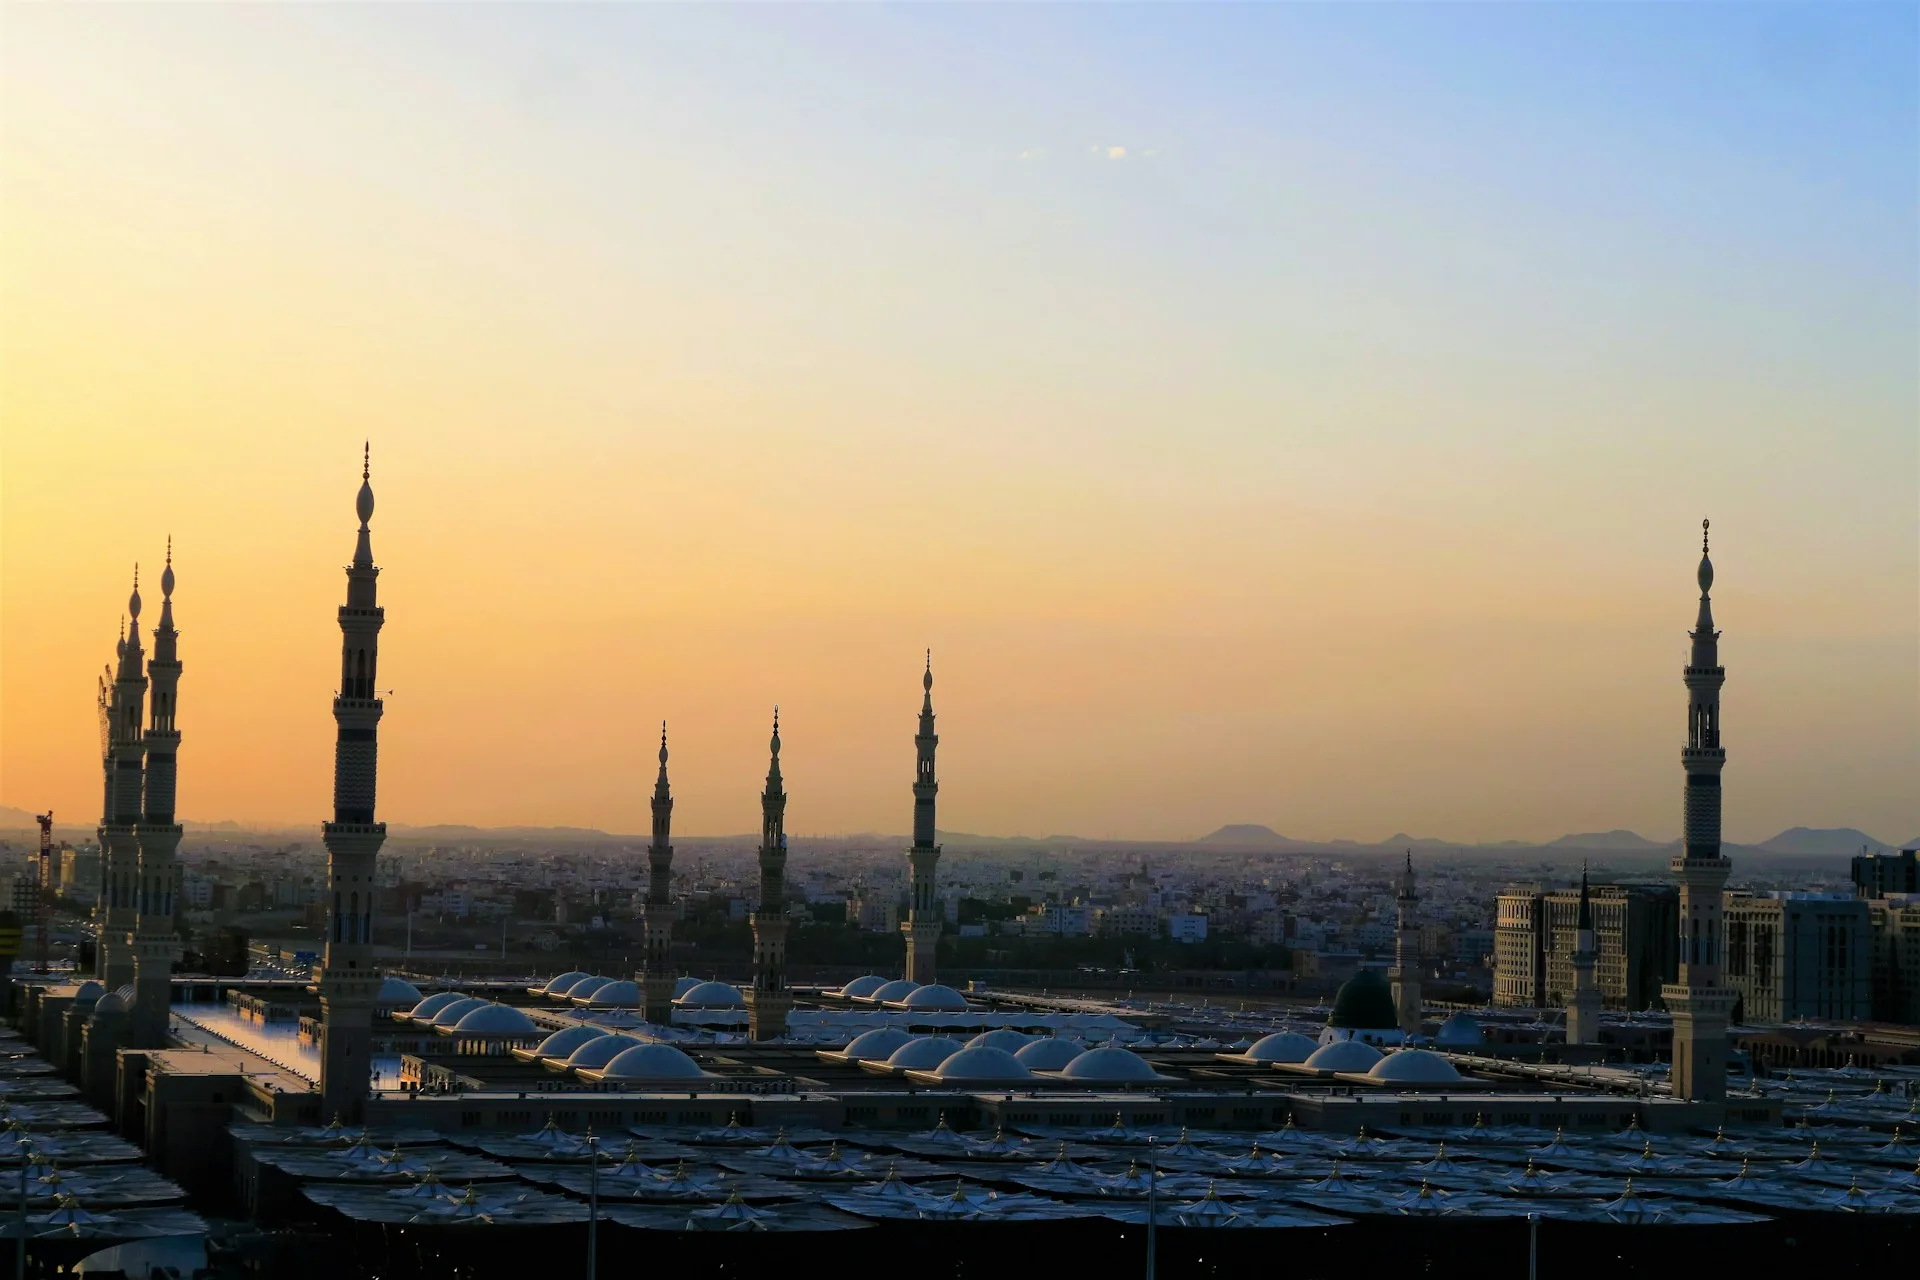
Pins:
x: 1893, y: 926
x: 156, y: 944
x: 1700, y: 1002
x: 1799, y: 955
x: 1884, y: 874
x: 656, y: 974
x: 925, y: 916
x: 768, y: 999
x: 348, y: 978
x: 124, y: 749
x: 1536, y: 935
x: 1405, y: 978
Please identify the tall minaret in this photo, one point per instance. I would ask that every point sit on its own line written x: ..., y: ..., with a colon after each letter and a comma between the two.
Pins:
x: 656, y: 975
x: 924, y: 915
x: 1405, y: 978
x: 768, y: 998
x: 1583, y: 1011
x: 348, y: 979
x: 119, y: 835
x: 155, y: 944
x: 1700, y: 1006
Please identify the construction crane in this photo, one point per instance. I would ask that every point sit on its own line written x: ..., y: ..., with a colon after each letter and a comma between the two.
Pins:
x: 43, y: 906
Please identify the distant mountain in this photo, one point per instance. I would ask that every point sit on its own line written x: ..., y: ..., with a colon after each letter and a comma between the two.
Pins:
x: 1822, y: 842
x: 12, y: 819
x: 1401, y: 840
x: 1247, y: 835
x: 1618, y: 839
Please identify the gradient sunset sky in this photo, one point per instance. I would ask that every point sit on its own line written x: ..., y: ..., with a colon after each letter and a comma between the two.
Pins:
x: 1290, y: 414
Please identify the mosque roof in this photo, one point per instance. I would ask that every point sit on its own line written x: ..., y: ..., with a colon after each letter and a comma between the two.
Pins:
x: 712, y: 995
x: 1049, y: 1053
x: 923, y: 1053
x: 684, y: 984
x: 983, y: 1063
x: 88, y: 992
x: 1110, y: 1063
x: 586, y: 987
x: 495, y: 1019
x: 563, y: 1042
x: 1413, y: 1066
x: 558, y: 984
x: 1459, y: 1031
x: 424, y: 1011
x: 624, y: 993
x: 876, y: 1045
x: 1343, y: 1055
x: 450, y: 1014
x: 1365, y: 1002
x: 397, y: 993
x: 1282, y: 1046
x: 652, y: 1062
x: 1003, y: 1038
x: 862, y: 987
x: 934, y: 996
x: 898, y: 989
x: 598, y: 1052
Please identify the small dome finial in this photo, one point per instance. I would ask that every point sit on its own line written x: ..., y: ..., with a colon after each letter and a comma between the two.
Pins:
x: 1705, y: 525
x: 366, y: 460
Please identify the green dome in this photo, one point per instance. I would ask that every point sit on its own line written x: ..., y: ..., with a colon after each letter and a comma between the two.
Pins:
x: 1364, y: 1003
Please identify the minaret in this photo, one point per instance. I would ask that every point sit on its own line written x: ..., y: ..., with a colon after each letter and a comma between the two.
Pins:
x: 119, y: 834
x: 1583, y: 1012
x: 656, y: 975
x: 1405, y: 978
x: 925, y: 917
x: 155, y: 943
x: 348, y: 979
x: 768, y: 999
x: 1700, y: 1006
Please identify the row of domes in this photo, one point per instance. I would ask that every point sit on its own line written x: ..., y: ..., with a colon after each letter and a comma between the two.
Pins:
x: 931, y: 997
x: 1003, y: 1054
x: 1354, y: 1057
x: 600, y: 992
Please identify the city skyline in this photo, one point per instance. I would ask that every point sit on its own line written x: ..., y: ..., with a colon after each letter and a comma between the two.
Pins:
x: 1321, y: 515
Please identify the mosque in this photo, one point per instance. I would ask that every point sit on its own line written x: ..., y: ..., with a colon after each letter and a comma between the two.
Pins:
x: 607, y: 1053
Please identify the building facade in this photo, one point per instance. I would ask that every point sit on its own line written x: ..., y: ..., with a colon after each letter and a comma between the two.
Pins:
x: 1893, y: 926
x: 1537, y: 934
x: 1886, y: 874
x: 1799, y: 955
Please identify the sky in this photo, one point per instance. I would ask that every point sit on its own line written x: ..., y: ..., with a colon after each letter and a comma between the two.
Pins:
x: 1288, y: 414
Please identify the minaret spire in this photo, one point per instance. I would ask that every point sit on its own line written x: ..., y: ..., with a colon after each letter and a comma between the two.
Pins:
x: 1700, y: 1005
x: 1583, y: 1010
x: 119, y: 834
x: 769, y: 999
x: 348, y: 977
x: 1405, y: 977
x: 155, y: 941
x: 656, y: 974
x: 925, y: 916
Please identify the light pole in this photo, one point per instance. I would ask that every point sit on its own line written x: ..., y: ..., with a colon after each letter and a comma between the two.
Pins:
x: 1533, y: 1246
x: 1153, y: 1201
x: 593, y: 1207
x: 20, y: 1245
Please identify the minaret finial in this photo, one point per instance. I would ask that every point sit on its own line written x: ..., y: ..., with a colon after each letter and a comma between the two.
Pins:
x: 366, y: 460
x: 1705, y: 524
x: 663, y: 745
x: 166, y: 579
x: 133, y: 601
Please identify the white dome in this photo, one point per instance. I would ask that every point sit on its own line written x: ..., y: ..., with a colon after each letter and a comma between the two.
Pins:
x: 88, y: 992
x: 1110, y: 1063
x: 1415, y: 1066
x: 495, y: 1019
x: 1344, y: 1055
x: 652, y: 1062
x: 1459, y: 1031
x: 558, y: 984
x: 923, y: 1053
x: 984, y: 1063
x: 712, y: 995
x: 861, y: 988
x: 1000, y: 1038
x: 586, y: 987
x: 936, y: 997
x: 684, y: 984
x: 623, y: 994
x: 1282, y: 1046
x: 599, y: 1051
x: 563, y: 1042
x: 450, y: 1014
x: 1048, y: 1054
x: 898, y: 989
x: 397, y: 993
x: 433, y: 1004
x: 876, y: 1045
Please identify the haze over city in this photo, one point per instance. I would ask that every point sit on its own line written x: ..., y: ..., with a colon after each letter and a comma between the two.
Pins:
x: 1290, y: 415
